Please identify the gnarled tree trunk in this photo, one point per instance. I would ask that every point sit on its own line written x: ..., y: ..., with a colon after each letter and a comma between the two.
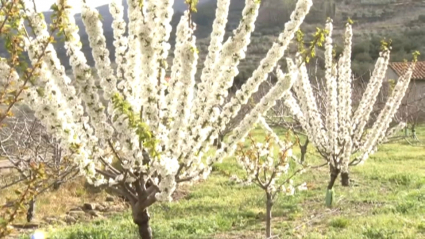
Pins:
x: 139, y: 205
x: 141, y: 219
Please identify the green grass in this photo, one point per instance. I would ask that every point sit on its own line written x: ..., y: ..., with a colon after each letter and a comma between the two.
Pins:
x: 386, y: 200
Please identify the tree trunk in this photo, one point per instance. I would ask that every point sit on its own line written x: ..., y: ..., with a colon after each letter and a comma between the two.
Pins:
x: 330, y: 193
x: 303, y: 149
x: 345, y: 179
x: 31, y: 210
x: 334, y: 175
x: 414, y: 136
x: 269, y: 206
x: 141, y: 219
x: 218, y: 140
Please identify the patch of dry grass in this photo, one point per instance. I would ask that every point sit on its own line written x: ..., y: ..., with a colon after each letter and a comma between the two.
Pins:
x: 58, y: 202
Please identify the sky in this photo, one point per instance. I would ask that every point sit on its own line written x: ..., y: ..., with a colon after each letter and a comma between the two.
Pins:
x: 44, y: 5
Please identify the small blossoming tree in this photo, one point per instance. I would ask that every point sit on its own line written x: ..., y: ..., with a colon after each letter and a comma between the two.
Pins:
x: 124, y: 128
x: 339, y: 133
x: 269, y: 168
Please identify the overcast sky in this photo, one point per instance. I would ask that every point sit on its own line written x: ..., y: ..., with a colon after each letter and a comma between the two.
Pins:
x: 44, y: 5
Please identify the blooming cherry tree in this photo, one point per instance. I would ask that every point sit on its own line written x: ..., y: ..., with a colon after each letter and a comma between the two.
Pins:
x: 125, y: 128
x: 268, y: 168
x: 339, y: 133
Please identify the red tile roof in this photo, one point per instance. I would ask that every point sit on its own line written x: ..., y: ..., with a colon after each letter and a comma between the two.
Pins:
x: 401, y: 67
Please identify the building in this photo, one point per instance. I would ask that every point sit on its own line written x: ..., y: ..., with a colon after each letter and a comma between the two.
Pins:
x: 412, y: 107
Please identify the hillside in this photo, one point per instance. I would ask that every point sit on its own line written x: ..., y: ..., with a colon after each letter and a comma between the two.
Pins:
x: 401, y: 20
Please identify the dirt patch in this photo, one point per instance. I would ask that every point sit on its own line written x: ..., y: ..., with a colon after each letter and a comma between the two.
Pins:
x: 239, y: 235
x: 86, y: 212
x: 5, y: 167
x: 180, y: 193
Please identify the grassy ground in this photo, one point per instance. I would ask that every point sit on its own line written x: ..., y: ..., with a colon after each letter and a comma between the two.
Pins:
x: 386, y: 200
